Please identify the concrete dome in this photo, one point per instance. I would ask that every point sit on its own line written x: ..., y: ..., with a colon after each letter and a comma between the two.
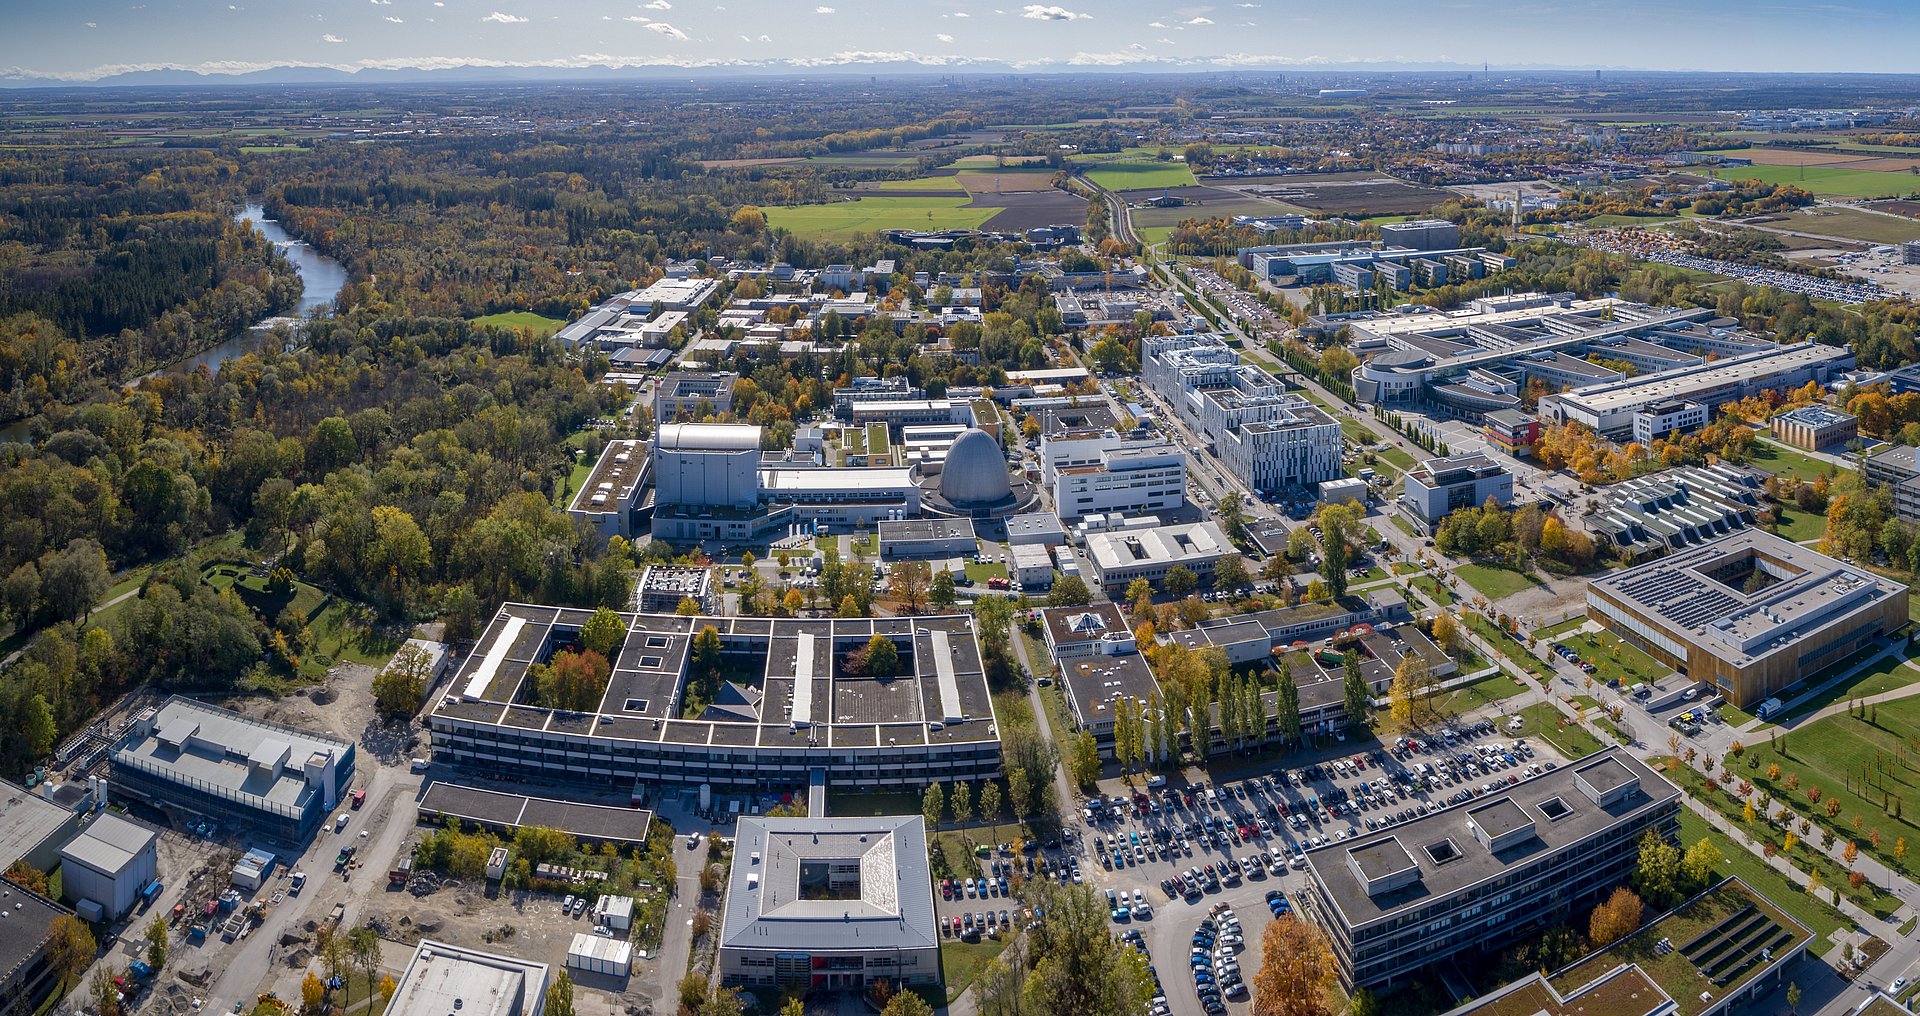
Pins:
x: 975, y: 473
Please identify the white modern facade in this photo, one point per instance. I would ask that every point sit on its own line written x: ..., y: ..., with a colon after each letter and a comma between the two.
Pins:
x: 1104, y: 473
x: 442, y: 979
x: 103, y: 870
x: 1271, y: 439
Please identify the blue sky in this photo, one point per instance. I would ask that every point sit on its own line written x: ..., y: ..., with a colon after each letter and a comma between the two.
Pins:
x: 85, y: 39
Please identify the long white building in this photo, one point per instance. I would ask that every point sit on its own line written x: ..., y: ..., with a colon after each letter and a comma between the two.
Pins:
x: 1120, y: 557
x: 1610, y: 407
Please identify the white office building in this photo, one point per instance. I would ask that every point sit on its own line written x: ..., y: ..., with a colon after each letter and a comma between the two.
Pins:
x: 1273, y: 440
x: 1121, y: 557
x: 444, y: 979
x: 1105, y: 473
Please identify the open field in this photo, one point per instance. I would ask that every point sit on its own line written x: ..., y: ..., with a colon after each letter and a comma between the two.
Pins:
x: 1832, y: 755
x: 1122, y: 176
x: 948, y: 184
x: 1885, y: 675
x: 867, y: 215
x: 539, y: 324
x: 1004, y: 183
x: 1825, y: 180
x: 1019, y: 211
x: 1546, y: 722
x: 1340, y: 193
x: 745, y: 163
x: 1868, y: 227
x: 1784, y: 461
x: 1494, y: 583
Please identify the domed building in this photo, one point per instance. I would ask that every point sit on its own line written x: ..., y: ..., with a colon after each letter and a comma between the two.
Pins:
x: 973, y: 480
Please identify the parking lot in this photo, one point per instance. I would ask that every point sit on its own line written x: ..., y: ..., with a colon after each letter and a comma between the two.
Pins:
x: 1189, y: 849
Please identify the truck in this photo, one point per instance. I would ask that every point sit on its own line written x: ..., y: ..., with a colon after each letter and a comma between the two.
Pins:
x: 1767, y: 709
x: 398, y: 875
x: 359, y: 798
x: 150, y: 893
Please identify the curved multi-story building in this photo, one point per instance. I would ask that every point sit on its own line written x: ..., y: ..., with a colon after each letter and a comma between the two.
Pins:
x: 782, y: 699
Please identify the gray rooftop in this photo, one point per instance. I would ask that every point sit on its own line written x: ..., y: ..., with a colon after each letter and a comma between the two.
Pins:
x: 1816, y: 416
x: 28, y: 921
x: 1340, y: 867
x: 1095, y: 683
x: 441, y: 978
x: 599, y: 823
x: 26, y: 821
x: 926, y: 529
x: 109, y: 844
x: 257, y: 763
x: 1701, y: 592
x: 769, y: 908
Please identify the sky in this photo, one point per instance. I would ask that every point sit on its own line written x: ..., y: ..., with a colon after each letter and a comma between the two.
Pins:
x: 83, y: 40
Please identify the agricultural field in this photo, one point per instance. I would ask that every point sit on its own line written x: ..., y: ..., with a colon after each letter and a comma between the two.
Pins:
x: 871, y: 214
x: 1832, y: 181
x: 948, y: 184
x: 1125, y: 176
x: 1853, y: 224
x: 1004, y: 182
x: 1350, y: 193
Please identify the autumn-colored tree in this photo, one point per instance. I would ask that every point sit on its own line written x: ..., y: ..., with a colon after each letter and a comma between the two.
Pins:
x: 1615, y: 919
x: 313, y: 992
x: 574, y: 680
x: 1296, y: 970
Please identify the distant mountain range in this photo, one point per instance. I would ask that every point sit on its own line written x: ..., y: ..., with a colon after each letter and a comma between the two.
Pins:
x: 1085, y: 64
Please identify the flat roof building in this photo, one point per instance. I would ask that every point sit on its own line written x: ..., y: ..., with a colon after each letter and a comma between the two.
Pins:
x: 1750, y: 614
x: 1675, y: 508
x: 686, y: 397
x: 1121, y: 557
x: 193, y: 759
x: 1096, y: 685
x: 931, y: 722
x: 610, y: 498
x: 1043, y: 528
x: 829, y: 904
x: 1720, y: 952
x: 1475, y: 877
x: 1437, y: 488
x: 103, y: 870
x: 32, y: 828
x: 27, y: 976
x: 662, y: 587
x: 507, y: 813
x: 1815, y: 427
x: 921, y: 538
x: 1093, y: 630
x: 1897, y: 467
x: 1609, y: 407
x: 441, y: 979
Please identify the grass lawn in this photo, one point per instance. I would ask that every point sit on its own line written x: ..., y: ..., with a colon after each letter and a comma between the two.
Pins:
x: 1868, y: 897
x: 1507, y: 644
x: 1832, y: 180
x: 539, y: 324
x: 1122, y: 176
x: 1404, y: 526
x: 980, y: 573
x: 1494, y: 583
x: 1853, y: 224
x: 1398, y: 456
x: 1439, y: 594
x: 962, y: 962
x: 582, y: 468
x: 1784, y: 461
x: 865, y: 543
x: 1357, y: 431
x: 867, y: 215
x: 1405, y: 567
x: 1737, y: 859
x: 1480, y: 693
x: 1832, y: 754
x: 1615, y: 660
x: 1554, y: 631
x: 1800, y: 526
x: 1884, y: 676
x: 1150, y: 235
x: 1544, y: 721
x: 338, y: 632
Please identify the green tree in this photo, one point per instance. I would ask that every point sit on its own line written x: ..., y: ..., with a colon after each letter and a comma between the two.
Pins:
x: 603, y: 632
x: 961, y: 803
x: 1335, y: 527
x: 907, y: 1003
x: 1657, y: 877
x: 365, y: 945
x: 1359, y: 699
x: 1180, y: 581
x: 1083, y: 759
x: 883, y: 657
x: 990, y: 801
x: 706, y: 659
x: 933, y: 804
x: 1140, y: 598
x: 70, y: 949
x: 943, y: 592
x: 399, y: 689
x: 1019, y: 791
x: 1287, y: 706
x: 1070, y: 591
x: 1697, y: 864
x: 560, y: 995
x: 1231, y: 573
x: 157, y: 943
x: 73, y: 580
x: 37, y: 727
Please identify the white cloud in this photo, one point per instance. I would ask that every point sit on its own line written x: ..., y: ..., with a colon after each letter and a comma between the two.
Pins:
x: 657, y: 5
x: 93, y: 24
x: 395, y: 20
x: 382, y: 3
x: 823, y: 10
x: 1248, y: 6
x: 638, y: 20
x: 330, y: 37
x: 667, y: 30
x: 1199, y: 21
x: 504, y: 19
x: 1044, y: 12
x: 961, y: 14
x: 1155, y: 24
x: 944, y: 37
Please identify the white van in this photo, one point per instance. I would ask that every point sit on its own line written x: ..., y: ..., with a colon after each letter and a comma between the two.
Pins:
x: 1156, y: 781
x: 419, y: 765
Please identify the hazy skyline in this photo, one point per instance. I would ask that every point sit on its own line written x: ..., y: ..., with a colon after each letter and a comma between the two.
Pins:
x: 85, y: 40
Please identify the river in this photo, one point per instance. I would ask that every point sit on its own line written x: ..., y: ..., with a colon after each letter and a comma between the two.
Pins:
x: 321, y: 280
